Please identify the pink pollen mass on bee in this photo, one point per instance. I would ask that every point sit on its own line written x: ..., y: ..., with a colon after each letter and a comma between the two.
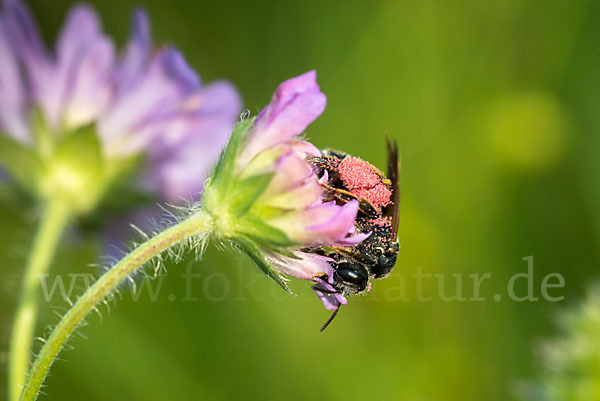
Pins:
x: 365, y: 181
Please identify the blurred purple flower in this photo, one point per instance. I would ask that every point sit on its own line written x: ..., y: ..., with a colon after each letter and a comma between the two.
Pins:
x: 147, y: 102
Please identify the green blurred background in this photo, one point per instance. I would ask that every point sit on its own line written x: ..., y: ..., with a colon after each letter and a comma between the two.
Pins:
x: 494, y: 105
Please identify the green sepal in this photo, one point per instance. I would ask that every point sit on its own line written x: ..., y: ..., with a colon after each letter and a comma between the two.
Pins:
x: 77, y: 154
x: 246, y: 192
x: 255, y: 253
x: 254, y: 227
x: 124, y: 169
x: 267, y: 212
x: 42, y: 134
x: 20, y: 161
x: 225, y: 167
x: 120, y: 194
x: 81, y: 147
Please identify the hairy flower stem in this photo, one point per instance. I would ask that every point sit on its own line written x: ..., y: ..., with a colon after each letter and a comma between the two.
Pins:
x: 198, y: 225
x: 51, y: 226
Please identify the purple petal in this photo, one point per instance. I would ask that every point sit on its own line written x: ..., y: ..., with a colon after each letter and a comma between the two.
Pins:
x: 189, y: 142
x: 319, y: 225
x: 290, y: 171
x: 80, y: 33
x: 330, y: 301
x: 137, y: 53
x: 81, y: 26
x: 305, y: 148
x: 324, y: 178
x: 334, y: 227
x: 90, y: 91
x: 181, y: 173
x: 27, y: 43
x: 296, y: 103
x: 220, y: 97
x: 289, y: 90
x: 127, y: 127
x: 12, y: 92
x: 306, y: 266
x: 23, y: 32
x: 353, y: 240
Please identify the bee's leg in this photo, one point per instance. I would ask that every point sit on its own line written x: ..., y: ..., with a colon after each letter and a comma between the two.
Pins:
x: 343, y: 197
x: 340, y: 194
x: 317, y: 251
x: 367, y: 208
x: 358, y: 253
x: 324, y: 290
x: 345, y: 251
x: 361, y: 254
x: 320, y: 286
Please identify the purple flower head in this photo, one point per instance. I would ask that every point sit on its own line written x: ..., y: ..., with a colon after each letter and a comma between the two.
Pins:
x: 267, y: 196
x: 145, y: 102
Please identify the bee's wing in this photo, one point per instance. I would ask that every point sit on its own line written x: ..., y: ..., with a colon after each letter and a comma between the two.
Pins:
x: 393, y: 173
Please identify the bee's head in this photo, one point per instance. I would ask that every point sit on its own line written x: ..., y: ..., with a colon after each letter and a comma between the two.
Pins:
x: 386, y: 259
x: 350, y: 277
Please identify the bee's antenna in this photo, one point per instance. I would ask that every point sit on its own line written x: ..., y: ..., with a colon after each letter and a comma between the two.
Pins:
x: 333, y: 315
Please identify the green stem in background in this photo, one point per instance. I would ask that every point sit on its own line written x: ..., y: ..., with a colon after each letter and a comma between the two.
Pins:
x: 46, y: 239
x: 199, y: 225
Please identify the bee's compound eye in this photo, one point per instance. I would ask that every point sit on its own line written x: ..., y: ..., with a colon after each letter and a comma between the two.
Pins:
x: 353, y: 274
x: 385, y: 264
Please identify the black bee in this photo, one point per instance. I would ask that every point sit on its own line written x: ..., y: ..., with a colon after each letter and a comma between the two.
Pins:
x: 375, y: 257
